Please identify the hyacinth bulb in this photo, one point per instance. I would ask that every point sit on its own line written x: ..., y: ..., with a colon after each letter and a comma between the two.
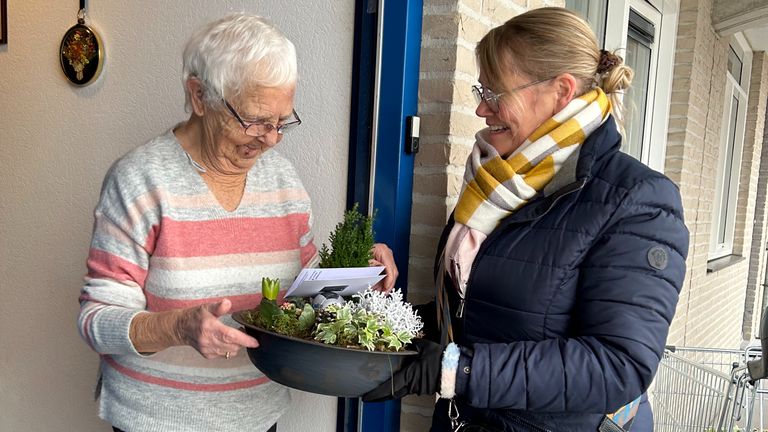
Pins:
x: 270, y: 288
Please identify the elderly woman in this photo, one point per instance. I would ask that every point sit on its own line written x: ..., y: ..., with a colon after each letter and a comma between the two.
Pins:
x: 564, y: 258
x: 186, y: 227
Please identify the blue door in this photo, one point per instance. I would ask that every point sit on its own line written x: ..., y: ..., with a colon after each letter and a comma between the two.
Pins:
x: 385, y: 93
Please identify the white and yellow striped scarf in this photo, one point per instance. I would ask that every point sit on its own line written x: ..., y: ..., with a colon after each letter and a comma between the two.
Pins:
x: 494, y: 188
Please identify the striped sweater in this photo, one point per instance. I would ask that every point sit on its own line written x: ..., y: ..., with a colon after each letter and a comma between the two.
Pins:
x: 161, y: 241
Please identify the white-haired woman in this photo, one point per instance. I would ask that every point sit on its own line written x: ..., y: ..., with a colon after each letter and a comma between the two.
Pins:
x: 185, y: 228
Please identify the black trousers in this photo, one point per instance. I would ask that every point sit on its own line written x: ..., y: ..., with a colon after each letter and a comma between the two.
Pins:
x: 272, y: 429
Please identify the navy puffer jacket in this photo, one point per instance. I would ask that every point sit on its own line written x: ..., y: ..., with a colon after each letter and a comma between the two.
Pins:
x: 570, y: 299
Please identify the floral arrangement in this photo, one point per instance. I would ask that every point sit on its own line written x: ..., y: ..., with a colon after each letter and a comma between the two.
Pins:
x: 371, y: 319
x: 374, y: 320
x: 79, y: 49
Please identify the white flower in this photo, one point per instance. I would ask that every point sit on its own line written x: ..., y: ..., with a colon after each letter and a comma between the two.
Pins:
x: 398, y: 313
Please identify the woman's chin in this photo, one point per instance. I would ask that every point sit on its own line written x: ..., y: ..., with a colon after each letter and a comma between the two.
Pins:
x: 249, y: 152
x: 503, y: 141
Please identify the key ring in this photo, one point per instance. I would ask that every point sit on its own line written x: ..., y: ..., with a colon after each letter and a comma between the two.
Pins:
x: 453, y: 414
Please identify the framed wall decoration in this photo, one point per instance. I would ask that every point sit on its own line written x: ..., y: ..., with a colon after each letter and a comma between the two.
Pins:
x: 3, y: 22
x: 81, y: 54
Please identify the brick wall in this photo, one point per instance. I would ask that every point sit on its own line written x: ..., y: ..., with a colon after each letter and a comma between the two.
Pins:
x: 451, y: 29
x: 711, y: 305
x: 715, y: 309
x: 754, y: 136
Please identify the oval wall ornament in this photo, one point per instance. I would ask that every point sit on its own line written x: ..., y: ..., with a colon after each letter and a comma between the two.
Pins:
x: 81, y: 53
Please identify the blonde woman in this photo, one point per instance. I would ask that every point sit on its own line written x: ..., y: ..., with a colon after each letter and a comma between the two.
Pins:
x: 563, y: 260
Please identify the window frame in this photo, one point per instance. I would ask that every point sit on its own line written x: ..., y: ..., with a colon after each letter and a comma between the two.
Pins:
x: 649, y: 13
x: 663, y: 14
x: 740, y: 91
x: 594, y: 8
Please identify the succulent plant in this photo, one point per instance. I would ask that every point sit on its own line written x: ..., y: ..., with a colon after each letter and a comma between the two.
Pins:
x: 372, y: 320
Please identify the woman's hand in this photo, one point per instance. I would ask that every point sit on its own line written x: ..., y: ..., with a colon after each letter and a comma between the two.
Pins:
x: 421, y: 376
x: 202, y: 330
x: 198, y: 327
x: 382, y: 256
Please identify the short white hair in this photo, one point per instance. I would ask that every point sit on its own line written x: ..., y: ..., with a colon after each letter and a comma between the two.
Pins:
x: 236, y: 53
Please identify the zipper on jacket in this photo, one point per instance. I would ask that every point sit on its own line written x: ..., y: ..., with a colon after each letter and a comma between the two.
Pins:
x: 573, y: 187
x: 462, y: 290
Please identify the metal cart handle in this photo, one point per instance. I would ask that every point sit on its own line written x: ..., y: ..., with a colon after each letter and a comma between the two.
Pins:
x: 758, y: 369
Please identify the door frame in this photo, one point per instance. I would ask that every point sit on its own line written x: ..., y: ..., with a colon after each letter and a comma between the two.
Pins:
x: 384, y: 94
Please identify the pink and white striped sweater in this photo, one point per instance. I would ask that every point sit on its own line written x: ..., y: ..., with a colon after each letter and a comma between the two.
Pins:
x: 162, y: 241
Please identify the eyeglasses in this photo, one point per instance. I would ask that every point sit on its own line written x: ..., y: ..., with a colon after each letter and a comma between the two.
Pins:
x: 484, y: 94
x: 257, y: 129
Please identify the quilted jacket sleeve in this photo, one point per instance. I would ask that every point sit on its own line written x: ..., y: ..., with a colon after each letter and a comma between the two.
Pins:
x: 629, y: 282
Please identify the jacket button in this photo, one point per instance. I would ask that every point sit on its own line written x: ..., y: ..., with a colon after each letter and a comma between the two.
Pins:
x: 466, y: 370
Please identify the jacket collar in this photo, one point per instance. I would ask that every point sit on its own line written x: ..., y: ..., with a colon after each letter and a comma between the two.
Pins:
x: 584, y: 162
x: 572, y: 176
x: 574, y: 173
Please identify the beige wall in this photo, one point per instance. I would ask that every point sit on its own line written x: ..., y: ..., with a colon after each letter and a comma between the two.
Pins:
x: 749, y: 240
x: 57, y: 141
x: 716, y: 309
x: 695, y: 117
x: 755, y: 136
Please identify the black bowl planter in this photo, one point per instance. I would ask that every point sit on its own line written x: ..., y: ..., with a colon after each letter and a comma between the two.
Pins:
x: 316, y: 367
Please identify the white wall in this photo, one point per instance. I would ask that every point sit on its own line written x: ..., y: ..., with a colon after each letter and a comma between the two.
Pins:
x: 57, y: 140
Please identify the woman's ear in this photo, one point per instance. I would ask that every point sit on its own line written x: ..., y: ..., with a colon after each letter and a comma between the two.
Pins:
x: 195, y: 91
x: 566, y: 86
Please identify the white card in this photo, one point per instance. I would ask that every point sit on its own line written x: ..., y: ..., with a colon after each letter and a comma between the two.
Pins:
x: 343, y: 281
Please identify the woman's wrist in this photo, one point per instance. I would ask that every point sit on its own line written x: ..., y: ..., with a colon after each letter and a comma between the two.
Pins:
x: 155, y: 331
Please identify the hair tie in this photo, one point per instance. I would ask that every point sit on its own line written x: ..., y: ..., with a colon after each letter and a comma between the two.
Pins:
x: 608, y: 61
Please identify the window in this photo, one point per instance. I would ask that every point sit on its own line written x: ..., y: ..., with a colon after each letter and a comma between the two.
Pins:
x: 731, y: 144
x: 640, y: 37
x: 594, y: 12
x: 643, y: 33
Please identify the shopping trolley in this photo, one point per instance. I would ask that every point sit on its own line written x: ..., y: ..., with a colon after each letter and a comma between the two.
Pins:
x: 759, y: 411
x: 711, y: 390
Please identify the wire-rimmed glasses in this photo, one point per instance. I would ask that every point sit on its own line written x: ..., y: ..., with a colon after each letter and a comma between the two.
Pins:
x: 257, y: 129
x: 484, y: 94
